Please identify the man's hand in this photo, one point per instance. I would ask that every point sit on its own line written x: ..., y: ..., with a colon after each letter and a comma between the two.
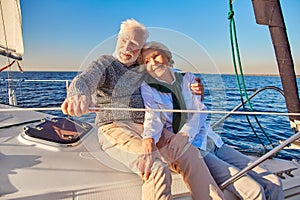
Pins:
x: 174, y: 145
x: 76, y: 105
x: 148, y: 155
x: 198, y: 88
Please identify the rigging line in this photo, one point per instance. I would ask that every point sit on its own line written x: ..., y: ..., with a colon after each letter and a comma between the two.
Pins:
x: 7, y: 66
x: 97, y: 109
x: 20, y: 68
x: 233, y: 47
x: 233, y: 38
x: 245, y: 90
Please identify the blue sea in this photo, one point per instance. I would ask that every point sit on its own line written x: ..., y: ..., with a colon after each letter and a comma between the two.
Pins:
x: 221, y: 94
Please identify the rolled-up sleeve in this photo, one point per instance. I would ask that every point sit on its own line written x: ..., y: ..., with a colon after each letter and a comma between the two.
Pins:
x: 153, y: 124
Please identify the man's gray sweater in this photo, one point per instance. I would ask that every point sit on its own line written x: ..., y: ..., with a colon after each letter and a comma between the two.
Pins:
x: 111, y: 84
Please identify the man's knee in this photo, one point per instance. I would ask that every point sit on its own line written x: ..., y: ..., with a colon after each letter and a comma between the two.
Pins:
x: 158, y: 186
x: 160, y: 168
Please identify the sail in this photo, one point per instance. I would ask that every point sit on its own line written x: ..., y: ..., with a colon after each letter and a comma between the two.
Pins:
x: 269, y: 13
x: 11, y: 40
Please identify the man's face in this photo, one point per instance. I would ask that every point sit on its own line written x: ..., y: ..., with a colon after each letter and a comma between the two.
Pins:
x: 129, y: 44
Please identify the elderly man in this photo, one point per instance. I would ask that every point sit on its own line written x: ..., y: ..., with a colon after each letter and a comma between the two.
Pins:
x: 114, y: 81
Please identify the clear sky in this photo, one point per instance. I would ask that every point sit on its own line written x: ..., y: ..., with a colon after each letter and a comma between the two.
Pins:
x: 63, y: 35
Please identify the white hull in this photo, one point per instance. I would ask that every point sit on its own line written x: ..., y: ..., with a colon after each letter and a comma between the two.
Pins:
x: 31, y: 171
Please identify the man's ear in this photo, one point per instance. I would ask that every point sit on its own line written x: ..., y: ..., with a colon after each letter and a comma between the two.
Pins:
x: 170, y: 62
x: 139, y: 59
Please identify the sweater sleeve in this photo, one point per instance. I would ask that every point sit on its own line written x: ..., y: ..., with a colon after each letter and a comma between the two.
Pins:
x: 87, y: 81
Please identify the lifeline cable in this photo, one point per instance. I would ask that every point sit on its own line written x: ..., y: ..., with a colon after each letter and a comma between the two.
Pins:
x: 97, y: 109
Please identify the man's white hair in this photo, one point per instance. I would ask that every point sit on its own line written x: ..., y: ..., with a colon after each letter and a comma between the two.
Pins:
x: 132, y: 23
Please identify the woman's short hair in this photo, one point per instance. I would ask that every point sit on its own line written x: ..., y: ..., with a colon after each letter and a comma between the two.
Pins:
x: 158, y: 47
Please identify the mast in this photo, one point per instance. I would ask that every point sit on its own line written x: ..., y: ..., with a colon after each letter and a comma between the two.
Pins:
x: 268, y: 12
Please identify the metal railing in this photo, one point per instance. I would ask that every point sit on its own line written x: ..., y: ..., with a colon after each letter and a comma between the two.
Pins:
x: 11, y: 90
x: 216, y: 124
x: 260, y: 160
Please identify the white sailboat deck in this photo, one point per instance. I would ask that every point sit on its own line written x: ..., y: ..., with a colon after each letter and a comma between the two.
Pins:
x: 33, y: 171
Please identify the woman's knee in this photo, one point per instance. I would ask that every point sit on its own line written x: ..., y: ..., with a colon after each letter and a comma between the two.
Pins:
x: 247, y: 188
x: 273, y: 188
x: 275, y: 181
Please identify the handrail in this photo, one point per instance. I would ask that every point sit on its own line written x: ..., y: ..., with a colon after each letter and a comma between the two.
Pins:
x: 97, y: 109
x: 33, y: 80
x: 216, y: 124
x: 40, y: 80
x: 66, y: 80
x: 260, y: 160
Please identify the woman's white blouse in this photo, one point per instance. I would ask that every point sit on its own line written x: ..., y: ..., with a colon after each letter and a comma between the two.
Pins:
x: 195, y: 127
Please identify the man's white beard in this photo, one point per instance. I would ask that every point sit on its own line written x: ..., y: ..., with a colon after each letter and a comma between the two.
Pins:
x: 132, y: 58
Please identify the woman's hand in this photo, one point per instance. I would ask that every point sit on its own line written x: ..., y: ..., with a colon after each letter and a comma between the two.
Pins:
x: 177, y: 145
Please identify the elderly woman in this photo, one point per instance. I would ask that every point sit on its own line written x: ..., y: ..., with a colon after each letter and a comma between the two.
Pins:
x: 158, y: 137
x: 164, y: 88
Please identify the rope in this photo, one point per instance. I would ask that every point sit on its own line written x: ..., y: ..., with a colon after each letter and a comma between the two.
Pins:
x: 237, y: 59
x: 7, y: 66
x: 97, y: 109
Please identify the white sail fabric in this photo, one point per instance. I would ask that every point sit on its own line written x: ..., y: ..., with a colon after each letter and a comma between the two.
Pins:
x: 11, y: 40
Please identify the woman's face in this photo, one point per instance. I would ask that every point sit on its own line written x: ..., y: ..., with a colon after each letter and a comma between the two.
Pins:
x: 156, y: 62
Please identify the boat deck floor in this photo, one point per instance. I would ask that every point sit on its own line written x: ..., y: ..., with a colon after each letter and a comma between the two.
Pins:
x: 34, y: 171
